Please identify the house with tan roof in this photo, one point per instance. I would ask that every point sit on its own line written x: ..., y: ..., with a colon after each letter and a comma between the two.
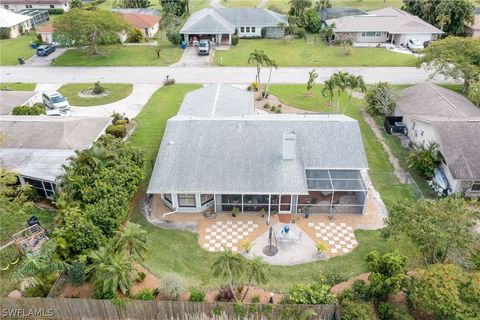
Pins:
x: 35, y: 4
x: 433, y: 114
x: 388, y: 25
x: 147, y: 24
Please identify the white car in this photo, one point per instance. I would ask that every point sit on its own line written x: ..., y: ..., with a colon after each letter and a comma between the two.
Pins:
x: 414, y: 45
x: 58, y: 113
x: 203, y: 47
x: 54, y: 100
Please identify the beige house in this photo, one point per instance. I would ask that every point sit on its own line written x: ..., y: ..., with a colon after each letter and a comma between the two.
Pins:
x: 35, y: 4
x: 473, y: 30
x: 147, y: 24
x: 16, y: 23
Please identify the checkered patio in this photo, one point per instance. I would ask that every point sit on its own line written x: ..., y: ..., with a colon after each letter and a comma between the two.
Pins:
x: 338, y: 237
x: 228, y: 234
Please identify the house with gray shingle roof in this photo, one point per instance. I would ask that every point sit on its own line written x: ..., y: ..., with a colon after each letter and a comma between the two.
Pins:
x: 222, y: 23
x: 433, y: 114
x: 217, y: 152
x: 388, y: 25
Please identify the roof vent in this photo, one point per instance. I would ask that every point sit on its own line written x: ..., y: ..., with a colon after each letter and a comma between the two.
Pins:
x: 289, y: 145
x: 170, y: 142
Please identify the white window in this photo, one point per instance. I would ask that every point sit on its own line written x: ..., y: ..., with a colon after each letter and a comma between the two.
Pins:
x: 206, y: 198
x: 52, y: 6
x: 253, y: 29
x: 371, y: 34
x: 186, y: 200
x: 168, y: 197
x: 475, y: 186
x: 248, y: 29
x: 242, y: 29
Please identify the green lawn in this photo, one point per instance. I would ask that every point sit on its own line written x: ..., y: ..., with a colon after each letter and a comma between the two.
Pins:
x: 239, y: 3
x: 297, y: 53
x: 12, y: 49
x: 116, y: 92
x: 361, y: 4
x: 118, y: 55
x: 178, y: 251
x: 17, y: 86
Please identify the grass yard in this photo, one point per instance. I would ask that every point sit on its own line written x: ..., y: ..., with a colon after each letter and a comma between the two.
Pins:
x: 296, y: 53
x: 118, y: 55
x: 9, y: 225
x: 178, y: 251
x: 239, y: 3
x: 116, y: 92
x: 12, y: 49
x: 284, y: 5
x: 17, y: 86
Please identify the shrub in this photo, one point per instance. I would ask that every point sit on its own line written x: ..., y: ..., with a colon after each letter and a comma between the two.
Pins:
x: 279, y: 106
x: 142, y: 276
x: 387, y: 311
x: 247, y: 245
x: 117, y: 131
x: 197, y: 295
x: 76, y: 275
x: 35, y: 110
x: 172, y: 286
x: 224, y: 294
x: 235, y: 40
x: 273, y: 108
x: 299, y: 33
x: 135, y: 36
x: 5, y: 33
x: 104, y: 295
x: 255, y: 299
x: 387, y: 273
x: 267, y: 106
x: 145, y: 294
x: 168, y: 81
x: 263, y: 32
x: 360, y: 290
x: 381, y: 99
x: 239, y: 310
x: 425, y: 159
x: 56, y: 11
x: 174, y: 37
x: 333, y: 278
x: 265, y: 94
x: 278, y: 111
x: 254, y: 86
x: 121, y: 122
x: 97, y: 88
x: 352, y: 310
x: 316, y: 293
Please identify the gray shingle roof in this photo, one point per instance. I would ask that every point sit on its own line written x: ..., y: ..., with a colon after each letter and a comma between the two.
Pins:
x: 12, y: 99
x: 390, y: 20
x: 431, y: 102
x: 207, y: 21
x: 216, y: 101
x: 244, y: 154
x: 43, y: 132
x: 459, y: 143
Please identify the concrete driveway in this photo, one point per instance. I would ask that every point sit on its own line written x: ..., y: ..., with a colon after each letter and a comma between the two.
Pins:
x: 36, y: 61
x: 190, y: 58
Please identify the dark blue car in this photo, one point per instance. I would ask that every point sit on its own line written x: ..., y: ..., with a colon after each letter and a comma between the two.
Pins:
x: 45, y: 50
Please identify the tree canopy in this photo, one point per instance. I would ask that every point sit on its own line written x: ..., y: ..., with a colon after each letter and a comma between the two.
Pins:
x: 13, y: 197
x: 81, y: 27
x: 448, y: 15
x: 175, y: 7
x: 132, y: 4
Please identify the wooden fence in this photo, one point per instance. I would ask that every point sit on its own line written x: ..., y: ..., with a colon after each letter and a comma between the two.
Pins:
x: 40, y: 308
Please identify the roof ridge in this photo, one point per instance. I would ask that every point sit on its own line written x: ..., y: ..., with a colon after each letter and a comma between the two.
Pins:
x: 216, y: 99
x: 444, y: 98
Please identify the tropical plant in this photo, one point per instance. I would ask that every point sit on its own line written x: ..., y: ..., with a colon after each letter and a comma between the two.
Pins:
x: 312, y: 78
x: 381, y: 99
x: 172, y: 286
x: 76, y: 4
x: 135, y: 4
x: 135, y: 36
x: 322, y: 4
x: 387, y: 311
x: 197, y: 295
x: 132, y: 240
x: 13, y: 197
x: 77, y: 275
x: 474, y: 92
x: 352, y: 310
x: 98, y: 88
x: 255, y: 270
x: 178, y: 8
x: 321, y: 247
x: 328, y: 89
x: 299, y: 7
x: 327, y: 32
x: 145, y: 294
x: 387, y: 273
x: 425, y: 159
x: 340, y: 82
x: 247, y: 245
x: 270, y: 64
x: 228, y: 265
x: 314, y: 293
x: 258, y: 58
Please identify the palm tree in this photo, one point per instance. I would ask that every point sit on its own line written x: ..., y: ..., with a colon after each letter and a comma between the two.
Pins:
x: 111, y: 271
x: 271, y: 64
x: 255, y: 269
x: 353, y: 83
x: 40, y: 270
x: 338, y: 82
x: 327, y: 33
x: 228, y: 265
x: 329, y: 88
x: 257, y: 57
x: 132, y: 240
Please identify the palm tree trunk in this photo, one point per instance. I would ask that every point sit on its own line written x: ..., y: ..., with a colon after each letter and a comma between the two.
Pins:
x: 230, y: 283
x: 445, y: 254
x: 258, y: 78
x: 248, y: 288
x: 268, y: 83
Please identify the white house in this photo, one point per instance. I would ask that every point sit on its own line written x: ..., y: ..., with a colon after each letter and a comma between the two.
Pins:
x: 222, y: 23
x: 216, y: 152
x: 433, y: 114
x: 35, y: 4
x: 16, y: 23
x: 387, y: 25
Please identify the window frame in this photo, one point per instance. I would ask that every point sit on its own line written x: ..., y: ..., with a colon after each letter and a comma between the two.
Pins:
x: 253, y: 29
x: 247, y: 29
x: 210, y: 198
x: 242, y: 29
x: 475, y: 186
x: 169, y: 200
x: 186, y: 196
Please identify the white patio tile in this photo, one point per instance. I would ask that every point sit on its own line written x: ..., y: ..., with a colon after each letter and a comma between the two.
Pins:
x: 338, y: 246
x: 223, y: 241
x: 250, y: 229
x: 234, y: 233
x: 208, y: 230
x: 239, y: 222
x: 234, y: 240
x: 349, y: 228
x: 329, y: 234
x: 240, y: 237
x: 334, y: 250
x: 240, y: 229
x: 213, y: 241
x: 354, y: 242
x: 229, y: 229
x: 328, y: 228
x: 218, y: 245
x: 245, y: 233
x: 206, y: 245
x: 229, y: 237
x: 208, y: 237
x: 331, y: 242
x: 219, y: 223
x: 317, y: 228
x: 229, y: 245
x: 349, y: 246
x: 250, y: 222
x: 336, y: 238
x: 345, y: 250
x: 322, y: 224
x: 255, y: 225
x: 324, y: 238
x: 342, y: 242
x: 229, y: 222
x: 332, y: 224
x: 311, y: 224
x: 318, y: 234
x: 343, y: 224
x: 218, y: 237
x: 347, y: 238
x: 224, y: 233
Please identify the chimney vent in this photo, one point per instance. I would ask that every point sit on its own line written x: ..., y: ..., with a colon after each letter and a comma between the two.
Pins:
x: 289, y: 145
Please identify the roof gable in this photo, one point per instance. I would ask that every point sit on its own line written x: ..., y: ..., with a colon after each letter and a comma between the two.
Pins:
x: 9, y: 19
x: 207, y: 21
x: 137, y: 20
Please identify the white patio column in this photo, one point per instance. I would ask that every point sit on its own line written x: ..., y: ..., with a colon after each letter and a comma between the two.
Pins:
x: 229, y: 39
x: 186, y: 38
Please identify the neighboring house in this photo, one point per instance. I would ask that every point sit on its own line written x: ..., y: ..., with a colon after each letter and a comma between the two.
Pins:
x: 12, y: 99
x: 39, y: 16
x: 36, y: 147
x: 35, y: 4
x: 387, y: 25
x: 15, y: 23
x: 221, y: 24
x: 216, y: 152
x: 146, y: 23
x: 46, y: 32
x: 473, y: 30
x: 433, y: 114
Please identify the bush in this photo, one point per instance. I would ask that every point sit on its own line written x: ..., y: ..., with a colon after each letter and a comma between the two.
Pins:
x: 56, y: 11
x: 104, y: 295
x: 197, y: 295
x: 425, y: 159
x: 341, y: 42
x: 235, y: 40
x: 224, y: 294
x: 360, y: 290
x: 135, y: 36
x: 97, y: 88
x: 142, y: 276
x: 273, y: 108
x: 76, y: 275
x: 299, y: 33
x: 263, y: 32
x: 172, y: 286
x: 387, y: 311
x: 35, y: 110
x: 117, y: 131
x: 145, y: 294
x: 352, y: 310
x: 316, y: 293
x: 381, y: 99
x: 267, y: 106
x: 168, y: 81
x: 278, y: 111
x: 121, y: 122
x: 5, y: 33
x: 387, y: 273
x: 174, y: 37
x: 255, y: 299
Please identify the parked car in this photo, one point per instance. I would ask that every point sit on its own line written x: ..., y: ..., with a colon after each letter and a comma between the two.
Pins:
x: 203, y: 47
x: 58, y: 113
x: 54, y: 100
x: 45, y: 50
x: 414, y: 45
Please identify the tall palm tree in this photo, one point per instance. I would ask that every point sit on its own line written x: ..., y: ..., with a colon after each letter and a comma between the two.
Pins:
x: 338, y: 82
x: 111, y: 271
x: 329, y: 89
x: 270, y: 63
x: 354, y: 83
x: 257, y: 57
x: 132, y: 240
x: 228, y: 265
x: 255, y: 269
